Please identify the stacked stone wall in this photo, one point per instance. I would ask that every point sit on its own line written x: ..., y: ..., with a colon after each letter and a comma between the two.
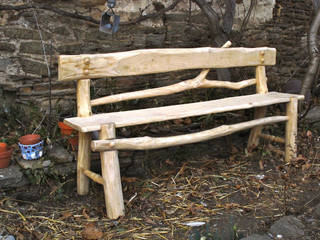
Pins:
x: 24, y: 73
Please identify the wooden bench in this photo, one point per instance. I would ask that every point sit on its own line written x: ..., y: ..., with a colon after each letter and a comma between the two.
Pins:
x: 138, y: 62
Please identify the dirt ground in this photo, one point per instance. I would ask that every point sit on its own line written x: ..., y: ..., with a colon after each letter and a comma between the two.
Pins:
x: 233, y: 192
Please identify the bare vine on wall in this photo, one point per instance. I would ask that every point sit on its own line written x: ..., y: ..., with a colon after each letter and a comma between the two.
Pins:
x: 313, y: 68
x: 140, y: 18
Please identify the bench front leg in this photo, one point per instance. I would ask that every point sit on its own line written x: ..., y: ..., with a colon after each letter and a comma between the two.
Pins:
x: 83, y: 163
x: 253, y: 141
x: 111, y: 176
x: 291, y: 129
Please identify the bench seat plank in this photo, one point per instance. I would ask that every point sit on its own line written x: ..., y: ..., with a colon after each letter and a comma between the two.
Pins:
x: 144, y: 116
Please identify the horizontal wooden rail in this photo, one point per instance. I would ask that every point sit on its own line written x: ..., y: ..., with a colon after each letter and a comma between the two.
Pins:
x: 272, y: 138
x: 147, y: 61
x: 94, y: 176
x: 198, y: 82
x: 144, y: 143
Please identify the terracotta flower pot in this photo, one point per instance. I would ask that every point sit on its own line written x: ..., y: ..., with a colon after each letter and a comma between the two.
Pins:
x: 74, y: 143
x: 65, y: 129
x: 29, y: 139
x: 3, y: 147
x: 5, y: 157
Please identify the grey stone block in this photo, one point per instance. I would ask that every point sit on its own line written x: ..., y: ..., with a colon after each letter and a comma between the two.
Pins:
x: 288, y: 227
x: 12, y: 177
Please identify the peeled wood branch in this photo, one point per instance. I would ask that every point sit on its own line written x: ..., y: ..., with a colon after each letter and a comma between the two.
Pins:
x: 272, y: 138
x: 143, y: 143
x: 198, y: 82
x: 94, y: 176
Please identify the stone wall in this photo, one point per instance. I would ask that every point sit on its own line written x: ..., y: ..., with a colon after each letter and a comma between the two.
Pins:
x: 24, y: 73
x: 287, y: 32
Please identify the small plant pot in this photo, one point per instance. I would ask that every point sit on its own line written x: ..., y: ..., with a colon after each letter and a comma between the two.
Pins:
x: 5, y: 157
x: 65, y: 129
x: 3, y: 147
x: 29, y: 139
x: 32, y: 151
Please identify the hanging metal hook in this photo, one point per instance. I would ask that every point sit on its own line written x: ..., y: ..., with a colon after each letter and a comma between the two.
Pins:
x: 109, y: 22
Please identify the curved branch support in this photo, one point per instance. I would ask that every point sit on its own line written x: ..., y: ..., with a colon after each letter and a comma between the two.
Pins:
x: 175, y: 88
x: 197, y: 82
x: 143, y: 143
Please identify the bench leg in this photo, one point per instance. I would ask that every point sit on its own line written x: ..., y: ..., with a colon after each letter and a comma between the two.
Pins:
x: 253, y: 141
x: 111, y: 176
x: 291, y: 129
x: 83, y: 163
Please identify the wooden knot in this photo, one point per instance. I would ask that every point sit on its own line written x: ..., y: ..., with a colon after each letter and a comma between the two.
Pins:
x: 112, y: 144
x: 86, y: 71
x: 262, y: 53
x: 87, y: 61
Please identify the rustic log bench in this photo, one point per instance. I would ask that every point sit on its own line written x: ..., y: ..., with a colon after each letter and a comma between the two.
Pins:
x: 138, y: 62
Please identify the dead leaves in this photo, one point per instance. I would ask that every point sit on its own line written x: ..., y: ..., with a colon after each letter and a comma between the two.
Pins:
x: 65, y: 215
x: 91, y: 232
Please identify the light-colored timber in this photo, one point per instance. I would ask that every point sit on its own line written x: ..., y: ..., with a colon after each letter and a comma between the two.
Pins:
x: 144, y: 116
x: 111, y: 176
x: 291, y: 129
x: 260, y: 112
x: 227, y: 44
x: 253, y: 140
x: 272, y: 138
x: 261, y: 79
x: 198, y: 82
x: 150, y: 61
x: 277, y: 151
x: 94, y: 176
x: 147, y: 61
x: 144, y: 143
x: 83, y: 160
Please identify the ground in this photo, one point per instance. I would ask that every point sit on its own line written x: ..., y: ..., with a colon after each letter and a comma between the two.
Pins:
x: 217, y: 182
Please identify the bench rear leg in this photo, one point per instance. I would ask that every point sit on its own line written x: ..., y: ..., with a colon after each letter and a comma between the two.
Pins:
x: 253, y: 141
x: 111, y: 176
x: 291, y: 129
x: 83, y: 163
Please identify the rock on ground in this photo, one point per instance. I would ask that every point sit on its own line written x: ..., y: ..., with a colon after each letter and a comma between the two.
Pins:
x: 12, y: 177
x: 60, y: 154
x: 289, y: 227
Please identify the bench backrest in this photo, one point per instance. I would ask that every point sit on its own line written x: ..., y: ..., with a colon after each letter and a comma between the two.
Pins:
x: 149, y: 61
